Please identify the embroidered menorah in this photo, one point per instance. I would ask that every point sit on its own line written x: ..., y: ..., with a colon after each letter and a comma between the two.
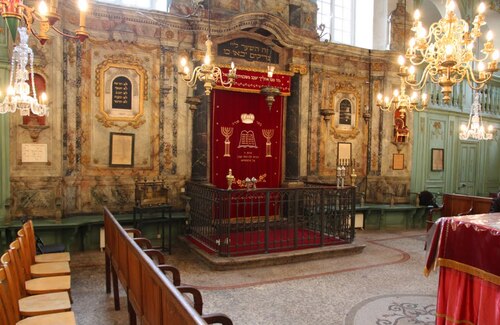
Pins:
x: 268, y: 134
x: 227, y: 132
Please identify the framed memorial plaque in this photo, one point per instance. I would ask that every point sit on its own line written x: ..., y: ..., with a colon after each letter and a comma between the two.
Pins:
x: 398, y: 161
x: 437, y: 159
x: 345, y: 99
x: 121, y: 85
x: 344, y: 151
x: 121, y: 149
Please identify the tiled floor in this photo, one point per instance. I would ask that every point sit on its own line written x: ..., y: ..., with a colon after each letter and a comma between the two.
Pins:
x: 356, y: 289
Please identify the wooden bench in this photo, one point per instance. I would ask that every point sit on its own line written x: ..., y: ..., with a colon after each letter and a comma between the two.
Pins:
x: 459, y: 205
x: 151, y: 296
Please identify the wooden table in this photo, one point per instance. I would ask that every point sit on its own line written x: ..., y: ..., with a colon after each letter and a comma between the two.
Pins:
x: 467, y: 250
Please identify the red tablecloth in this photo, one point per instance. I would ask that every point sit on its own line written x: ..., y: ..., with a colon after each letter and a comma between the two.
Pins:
x: 468, y: 251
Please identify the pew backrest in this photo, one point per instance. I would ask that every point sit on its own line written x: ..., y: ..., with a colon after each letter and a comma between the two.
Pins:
x: 152, y: 296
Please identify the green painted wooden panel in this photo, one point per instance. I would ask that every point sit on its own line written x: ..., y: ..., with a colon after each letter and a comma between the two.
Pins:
x: 467, y: 170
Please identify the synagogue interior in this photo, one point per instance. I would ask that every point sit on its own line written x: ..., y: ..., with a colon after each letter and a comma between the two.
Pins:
x: 249, y: 162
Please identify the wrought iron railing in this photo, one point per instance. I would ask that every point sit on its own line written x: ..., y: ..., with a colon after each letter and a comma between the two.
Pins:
x: 243, y: 222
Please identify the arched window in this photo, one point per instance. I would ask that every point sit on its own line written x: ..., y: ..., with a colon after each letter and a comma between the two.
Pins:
x: 347, y: 21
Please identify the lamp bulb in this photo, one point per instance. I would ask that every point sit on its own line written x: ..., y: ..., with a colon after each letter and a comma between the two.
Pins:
x: 183, y: 61
x: 83, y: 5
x: 379, y: 97
x: 206, y: 60
x: 463, y: 128
x: 489, y: 36
x: 43, y: 9
x: 481, y: 8
x: 395, y: 93
x: 495, y: 55
x: 480, y: 66
x: 11, y: 91
x: 450, y: 6
x: 43, y: 98
x: 412, y: 42
x: 401, y: 60
x: 416, y: 15
x: 411, y: 70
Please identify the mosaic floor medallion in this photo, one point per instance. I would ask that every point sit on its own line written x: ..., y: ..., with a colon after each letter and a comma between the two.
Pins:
x: 404, y: 309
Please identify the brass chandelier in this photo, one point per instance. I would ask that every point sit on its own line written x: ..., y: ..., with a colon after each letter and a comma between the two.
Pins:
x: 15, y: 11
x: 208, y: 72
x: 446, y: 52
x: 400, y: 99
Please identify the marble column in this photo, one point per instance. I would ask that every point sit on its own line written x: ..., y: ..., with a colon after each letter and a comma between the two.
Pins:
x: 199, y: 166
x: 4, y: 122
x: 292, y: 170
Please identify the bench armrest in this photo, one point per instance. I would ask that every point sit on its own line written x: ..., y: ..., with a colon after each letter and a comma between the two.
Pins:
x: 152, y: 253
x: 176, y: 275
x: 136, y: 232
x: 217, y: 318
x: 197, y: 299
x: 143, y: 243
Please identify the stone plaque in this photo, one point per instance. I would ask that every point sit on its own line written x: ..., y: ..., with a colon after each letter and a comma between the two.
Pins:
x: 121, y: 96
x: 34, y: 152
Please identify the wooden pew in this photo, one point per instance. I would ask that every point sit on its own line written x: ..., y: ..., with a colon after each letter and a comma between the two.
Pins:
x: 151, y: 296
x: 459, y: 205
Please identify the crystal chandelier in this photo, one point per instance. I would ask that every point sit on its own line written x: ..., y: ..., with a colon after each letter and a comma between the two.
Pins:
x: 13, y: 11
x: 268, y: 91
x: 18, y: 93
x: 400, y: 100
x: 474, y: 128
x: 446, y: 52
x: 208, y: 73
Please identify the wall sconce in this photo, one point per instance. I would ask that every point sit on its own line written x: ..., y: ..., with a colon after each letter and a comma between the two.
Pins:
x: 268, y: 91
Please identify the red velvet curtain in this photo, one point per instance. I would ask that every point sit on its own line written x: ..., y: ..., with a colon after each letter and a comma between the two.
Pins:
x: 246, y: 137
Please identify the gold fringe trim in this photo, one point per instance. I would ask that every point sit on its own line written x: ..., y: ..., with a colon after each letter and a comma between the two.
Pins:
x: 246, y: 90
x: 455, y: 321
x: 490, y: 277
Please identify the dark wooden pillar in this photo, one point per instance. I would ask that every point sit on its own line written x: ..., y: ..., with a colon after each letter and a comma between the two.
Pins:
x: 292, y: 171
x: 199, y: 166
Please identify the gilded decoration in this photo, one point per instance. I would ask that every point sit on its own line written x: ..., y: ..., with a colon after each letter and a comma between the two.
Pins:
x: 297, y: 68
x: 437, y: 129
x: 346, y: 102
x: 122, y: 86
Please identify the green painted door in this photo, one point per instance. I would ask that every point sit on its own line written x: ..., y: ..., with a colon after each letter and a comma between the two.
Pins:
x: 467, y: 168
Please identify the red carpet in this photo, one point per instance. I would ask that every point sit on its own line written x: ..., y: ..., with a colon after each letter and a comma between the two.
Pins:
x: 253, y: 242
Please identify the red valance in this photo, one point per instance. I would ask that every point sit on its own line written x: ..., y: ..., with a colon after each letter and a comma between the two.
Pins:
x: 251, y: 81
